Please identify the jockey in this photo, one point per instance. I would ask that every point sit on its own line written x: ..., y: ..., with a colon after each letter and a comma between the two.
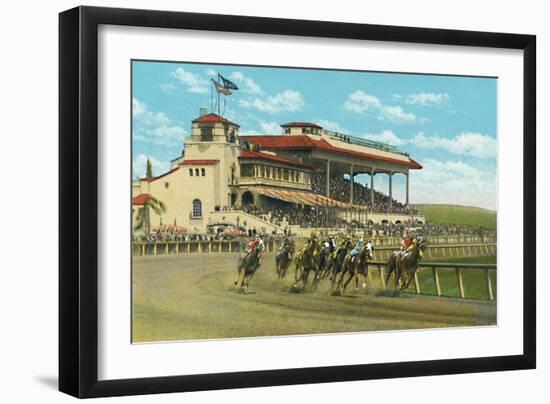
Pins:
x: 345, y: 244
x: 330, y: 244
x: 408, y: 241
x: 356, y: 249
x: 286, y: 244
x: 312, y: 239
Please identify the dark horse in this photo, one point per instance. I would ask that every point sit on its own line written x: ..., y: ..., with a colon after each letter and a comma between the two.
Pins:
x: 306, y: 260
x: 355, y: 267
x: 248, y: 266
x: 326, y: 259
x: 282, y: 260
x: 337, y: 262
x: 406, y: 263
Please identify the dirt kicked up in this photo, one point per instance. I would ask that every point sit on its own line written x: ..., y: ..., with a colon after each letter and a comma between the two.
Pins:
x: 193, y: 297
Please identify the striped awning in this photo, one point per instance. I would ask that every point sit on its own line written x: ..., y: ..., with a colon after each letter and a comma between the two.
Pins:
x: 301, y: 197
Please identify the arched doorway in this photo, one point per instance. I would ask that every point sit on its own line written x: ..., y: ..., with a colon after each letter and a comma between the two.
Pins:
x: 233, y: 199
x: 247, y: 198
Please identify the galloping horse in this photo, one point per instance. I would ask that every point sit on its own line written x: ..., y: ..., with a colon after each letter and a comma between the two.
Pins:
x: 306, y: 260
x: 326, y: 259
x: 405, y: 263
x: 282, y: 260
x: 337, y: 262
x: 248, y: 266
x: 356, y: 266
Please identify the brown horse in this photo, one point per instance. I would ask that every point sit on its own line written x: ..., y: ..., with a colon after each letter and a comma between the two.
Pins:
x: 248, y: 267
x: 283, y: 259
x: 405, y: 263
x: 306, y: 260
x: 355, y: 266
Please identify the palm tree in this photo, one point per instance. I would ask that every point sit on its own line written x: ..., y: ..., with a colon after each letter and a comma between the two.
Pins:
x: 143, y: 217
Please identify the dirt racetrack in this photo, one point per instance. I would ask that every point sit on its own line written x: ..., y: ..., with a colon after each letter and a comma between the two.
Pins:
x: 179, y: 297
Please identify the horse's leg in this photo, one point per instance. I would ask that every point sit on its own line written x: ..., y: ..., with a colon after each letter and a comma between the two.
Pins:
x: 305, y: 275
x: 298, y: 274
x: 351, y: 275
x: 391, y: 269
x: 411, y: 275
x: 239, y: 268
x: 343, y: 271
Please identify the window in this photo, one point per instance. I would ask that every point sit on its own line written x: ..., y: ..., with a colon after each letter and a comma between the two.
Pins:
x: 190, y: 172
x: 197, y: 208
x: 287, y: 131
x: 166, y: 185
x: 197, y: 172
x: 247, y: 171
x: 203, y: 172
x: 206, y: 134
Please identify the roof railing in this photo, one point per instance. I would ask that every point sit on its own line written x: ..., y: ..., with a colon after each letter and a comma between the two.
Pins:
x: 363, y: 142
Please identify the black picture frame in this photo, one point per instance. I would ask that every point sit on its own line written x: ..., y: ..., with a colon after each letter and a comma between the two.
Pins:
x: 78, y: 196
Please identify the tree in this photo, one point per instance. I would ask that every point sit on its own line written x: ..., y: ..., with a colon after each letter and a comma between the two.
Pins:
x: 143, y: 216
x: 149, y: 169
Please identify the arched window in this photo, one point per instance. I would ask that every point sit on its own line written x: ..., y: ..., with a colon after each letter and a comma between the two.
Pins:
x: 197, y: 208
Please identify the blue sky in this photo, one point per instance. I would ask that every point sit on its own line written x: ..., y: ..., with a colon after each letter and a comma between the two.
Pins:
x: 446, y: 123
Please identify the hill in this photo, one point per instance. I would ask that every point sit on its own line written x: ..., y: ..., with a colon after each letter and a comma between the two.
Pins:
x: 456, y: 214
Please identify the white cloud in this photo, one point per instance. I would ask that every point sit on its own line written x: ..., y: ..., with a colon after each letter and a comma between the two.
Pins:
x: 270, y: 128
x: 193, y: 82
x: 386, y: 136
x: 246, y: 84
x: 454, y: 182
x: 154, y: 127
x: 167, y: 88
x: 360, y: 102
x: 466, y: 143
x: 426, y: 99
x: 144, y: 116
x: 211, y: 72
x: 288, y: 100
x: 396, y: 114
x: 139, y: 166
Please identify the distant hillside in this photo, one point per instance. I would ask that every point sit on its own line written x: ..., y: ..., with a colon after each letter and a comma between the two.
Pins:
x: 455, y: 214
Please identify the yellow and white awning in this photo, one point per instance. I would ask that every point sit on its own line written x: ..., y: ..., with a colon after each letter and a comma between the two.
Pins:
x: 301, y: 197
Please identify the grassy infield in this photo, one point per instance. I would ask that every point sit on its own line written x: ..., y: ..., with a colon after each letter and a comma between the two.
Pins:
x: 474, y: 281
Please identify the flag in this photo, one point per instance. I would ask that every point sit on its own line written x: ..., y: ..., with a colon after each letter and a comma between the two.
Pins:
x: 220, y: 88
x: 228, y: 84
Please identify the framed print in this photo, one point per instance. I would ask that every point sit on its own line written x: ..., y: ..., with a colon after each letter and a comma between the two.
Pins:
x: 249, y: 201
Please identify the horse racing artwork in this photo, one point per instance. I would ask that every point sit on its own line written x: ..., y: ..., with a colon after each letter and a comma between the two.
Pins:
x: 272, y: 201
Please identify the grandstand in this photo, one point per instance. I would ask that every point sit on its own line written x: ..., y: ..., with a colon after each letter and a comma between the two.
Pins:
x: 303, y: 178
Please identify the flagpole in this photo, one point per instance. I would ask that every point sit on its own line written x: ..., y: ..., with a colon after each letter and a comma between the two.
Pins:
x: 212, y: 96
x: 218, y: 96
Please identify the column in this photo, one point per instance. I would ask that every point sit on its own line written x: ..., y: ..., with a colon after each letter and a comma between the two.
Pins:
x: 351, y: 175
x: 391, y: 196
x: 328, y: 179
x: 407, y: 190
x: 372, y: 188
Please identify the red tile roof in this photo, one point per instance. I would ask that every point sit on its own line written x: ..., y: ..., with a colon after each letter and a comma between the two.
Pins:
x: 161, y: 176
x: 141, y: 199
x: 214, y: 118
x: 199, y: 162
x: 249, y: 154
x: 300, y: 125
x: 304, y: 142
